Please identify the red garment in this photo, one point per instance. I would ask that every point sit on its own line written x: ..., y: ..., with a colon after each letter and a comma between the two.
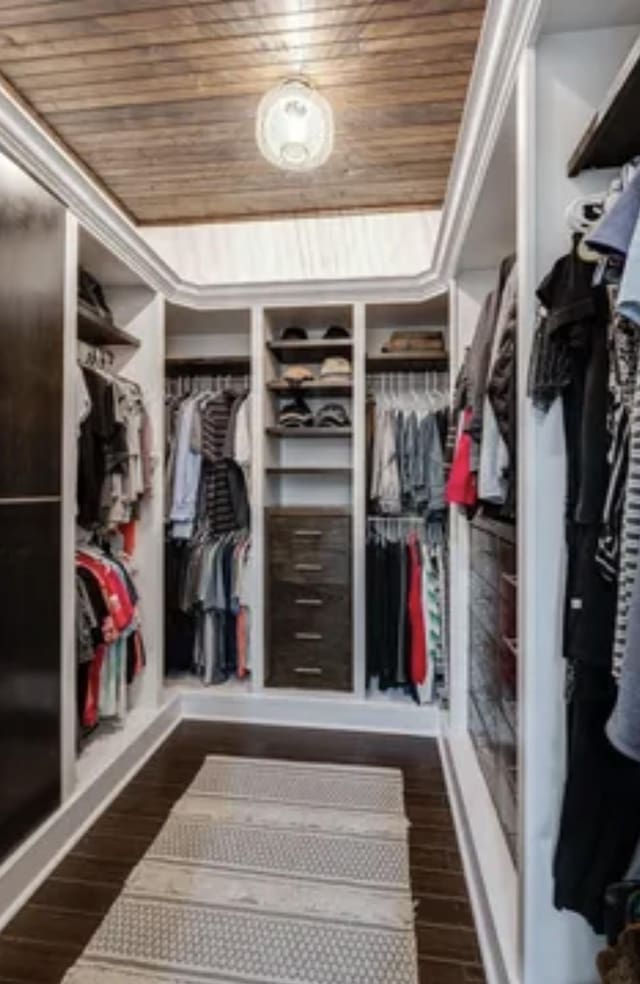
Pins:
x: 242, y: 641
x: 417, y: 643
x: 128, y: 531
x: 462, y: 487
x: 113, y: 589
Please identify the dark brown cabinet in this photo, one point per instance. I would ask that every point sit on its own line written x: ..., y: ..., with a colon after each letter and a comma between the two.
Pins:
x: 32, y: 264
x: 309, y: 633
x: 29, y: 667
x: 493, y: 664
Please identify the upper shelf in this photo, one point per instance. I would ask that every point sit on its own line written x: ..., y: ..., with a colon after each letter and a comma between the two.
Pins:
x: 613, y: 136
x: 405, y: 362
x: 228, y: 365
x: 290, y: 351
x: 315, y: 387
x: 97, y: 330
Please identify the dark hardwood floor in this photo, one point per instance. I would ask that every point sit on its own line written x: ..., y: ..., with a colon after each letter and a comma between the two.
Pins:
x: 49, y: 933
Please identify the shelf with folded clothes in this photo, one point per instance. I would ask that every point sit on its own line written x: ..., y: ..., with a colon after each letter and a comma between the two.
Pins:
x: 407, y: 337
x: 296, y: 418
x: 292, y: 350
x: 311, y: 388
x: 298, y: 383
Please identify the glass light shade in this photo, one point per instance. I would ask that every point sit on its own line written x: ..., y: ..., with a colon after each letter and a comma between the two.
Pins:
x: 294, y: 127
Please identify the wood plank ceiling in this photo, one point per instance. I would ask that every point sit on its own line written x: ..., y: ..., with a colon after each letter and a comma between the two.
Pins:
x: 158, y: 99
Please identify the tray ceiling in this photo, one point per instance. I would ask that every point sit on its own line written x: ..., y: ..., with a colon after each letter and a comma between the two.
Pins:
x: 158, y: 100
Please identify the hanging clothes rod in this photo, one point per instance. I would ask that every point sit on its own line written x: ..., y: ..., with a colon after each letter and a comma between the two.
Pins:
x: 395, y: 519
x: 427, y: 379
x: 184, y: 385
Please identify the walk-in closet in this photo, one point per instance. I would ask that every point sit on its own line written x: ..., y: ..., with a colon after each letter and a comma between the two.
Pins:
x: 319, y: 476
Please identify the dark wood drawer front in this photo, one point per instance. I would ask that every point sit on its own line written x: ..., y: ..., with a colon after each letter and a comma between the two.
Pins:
x: 309, y: 634
x: 294, y: 607
x: 305, y: 662
x: 310, y: 549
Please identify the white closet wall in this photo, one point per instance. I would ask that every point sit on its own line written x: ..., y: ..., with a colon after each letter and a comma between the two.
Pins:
x: 563, y: 77
x: 563, y: 81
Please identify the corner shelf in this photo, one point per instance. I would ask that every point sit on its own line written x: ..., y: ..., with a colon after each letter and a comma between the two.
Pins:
x: 309, y: 350
x: 230, y: 365
x: 406, y: 362
x: 94, y: 329
x: 316, y: 387
x: 611, y: 139
x: 301, y: 432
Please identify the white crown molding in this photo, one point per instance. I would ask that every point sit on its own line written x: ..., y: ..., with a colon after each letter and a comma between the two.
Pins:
x: 509, y: 26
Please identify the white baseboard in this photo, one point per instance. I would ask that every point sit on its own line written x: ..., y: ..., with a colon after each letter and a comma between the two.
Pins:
x: 334, y: 712
x: 489, y: 873
x: 25, y: 870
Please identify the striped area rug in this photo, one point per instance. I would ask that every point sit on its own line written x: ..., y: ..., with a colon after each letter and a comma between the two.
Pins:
x: 267, y: 872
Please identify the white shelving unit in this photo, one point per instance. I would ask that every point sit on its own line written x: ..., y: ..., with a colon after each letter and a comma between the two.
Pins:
x: 542, y: 75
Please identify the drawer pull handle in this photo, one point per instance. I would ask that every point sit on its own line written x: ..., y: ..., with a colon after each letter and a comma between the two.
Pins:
x: 308, y: 567
x: 308, y: 636
x: 311, y: 602
x: 308, y: 670
x: 308, y: 533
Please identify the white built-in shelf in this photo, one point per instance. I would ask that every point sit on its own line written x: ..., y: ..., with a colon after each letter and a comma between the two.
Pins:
x: 97, y: 329
x: 312, y: 388
x: 228, y: 365
x: 315, y: 470
x: 613, y: 135
x: 309, y: 350
x: 315, y: 432
x: 406, y: 362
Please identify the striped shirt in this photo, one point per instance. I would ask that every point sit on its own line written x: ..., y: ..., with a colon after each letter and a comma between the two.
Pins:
x: 630, y: 546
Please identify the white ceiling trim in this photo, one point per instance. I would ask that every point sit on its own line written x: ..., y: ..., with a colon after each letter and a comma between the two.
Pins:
x: 509, y: 27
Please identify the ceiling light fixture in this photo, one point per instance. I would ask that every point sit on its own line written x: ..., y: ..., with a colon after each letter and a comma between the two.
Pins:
x: 294, y: 126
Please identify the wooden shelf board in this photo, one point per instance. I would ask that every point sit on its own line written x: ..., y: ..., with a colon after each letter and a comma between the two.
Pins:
x: 229, y: 365
x: 315, y: 388
x: 97, y: 330
x: 612, y: 138
x: 307, y: 470
x: 406, y: 362
x: 302, y: 432
x: 309, y: 350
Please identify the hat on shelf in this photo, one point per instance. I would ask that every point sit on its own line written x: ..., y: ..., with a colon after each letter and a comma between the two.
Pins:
x: 332, y: 415
x: 335, y: 369
x: 420, y: 342
x: 294, y: 333
x: 296, y: 414
x: 297, y: 375
x: 336, y: 331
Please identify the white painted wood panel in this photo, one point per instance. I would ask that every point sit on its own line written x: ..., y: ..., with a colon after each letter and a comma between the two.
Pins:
x: 390, y: 244
x: 561, y: 85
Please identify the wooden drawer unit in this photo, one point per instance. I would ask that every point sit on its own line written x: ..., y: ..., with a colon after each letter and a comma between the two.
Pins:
x: 308, y: 617
x: 306, y: 548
